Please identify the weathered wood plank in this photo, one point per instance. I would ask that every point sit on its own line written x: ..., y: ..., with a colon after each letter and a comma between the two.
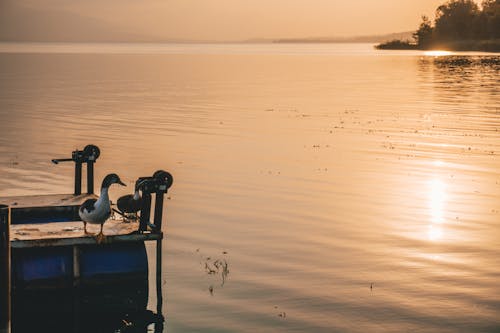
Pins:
x: 71, y: 233
x: 49, y: 200
x: 20, y: 244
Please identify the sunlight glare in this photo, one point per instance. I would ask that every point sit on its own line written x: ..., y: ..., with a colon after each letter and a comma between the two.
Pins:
x: 437, y: 198
x: 438, y: 163
x: 434, y: 232
x: 437, y: 53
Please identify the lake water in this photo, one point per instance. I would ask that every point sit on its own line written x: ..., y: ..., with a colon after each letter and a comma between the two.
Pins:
x: 347, y: 189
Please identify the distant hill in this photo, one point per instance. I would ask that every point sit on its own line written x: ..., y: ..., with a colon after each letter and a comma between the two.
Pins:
x: 20, y: 23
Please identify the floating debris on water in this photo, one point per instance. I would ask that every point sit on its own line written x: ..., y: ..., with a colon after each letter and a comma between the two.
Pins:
x: 281, y: 314
x: 214, y: 267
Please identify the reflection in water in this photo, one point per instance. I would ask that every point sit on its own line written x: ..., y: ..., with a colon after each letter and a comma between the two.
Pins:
x: 58, y: 312
x: 310, y: 168
x: 437, y: 197
x: 437, y: 53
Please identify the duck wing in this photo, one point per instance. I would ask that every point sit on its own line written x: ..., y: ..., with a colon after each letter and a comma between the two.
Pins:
x: 88, y: 205
x: 127, y: 204
x: 136, y: 205
x: 123, y: 203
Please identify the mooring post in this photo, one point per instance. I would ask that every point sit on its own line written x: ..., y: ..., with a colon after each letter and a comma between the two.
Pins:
x: 88, y: 155
x: 78, y: 177
x: 4, y: 269
x: 159, y: 294
x: 145, y: 212
x: 158, y: 210
x: 90, y: 177
x: 76, y: 288
x: 163, y: 182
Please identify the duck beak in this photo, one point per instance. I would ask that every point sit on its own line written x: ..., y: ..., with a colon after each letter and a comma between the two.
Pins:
x: 121, y: 183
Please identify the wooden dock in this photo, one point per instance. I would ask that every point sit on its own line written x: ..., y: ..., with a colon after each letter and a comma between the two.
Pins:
x: 48, y: 200
x: 56, y: 265
x: 71, y: 234
x: 66, y: 233
x: 45, y: 208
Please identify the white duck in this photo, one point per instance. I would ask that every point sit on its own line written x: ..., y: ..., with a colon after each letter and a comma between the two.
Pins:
x: 97, y: 211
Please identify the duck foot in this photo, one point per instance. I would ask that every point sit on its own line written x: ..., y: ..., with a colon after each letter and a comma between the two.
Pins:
x: 85, y: 232
x: 100, y: 238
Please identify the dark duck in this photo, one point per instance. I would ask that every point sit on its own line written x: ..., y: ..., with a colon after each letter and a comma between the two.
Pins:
x: 97, y: 211
x: 128, y: 205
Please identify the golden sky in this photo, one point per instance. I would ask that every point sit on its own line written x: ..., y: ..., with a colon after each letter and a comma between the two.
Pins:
x: 227, y: 19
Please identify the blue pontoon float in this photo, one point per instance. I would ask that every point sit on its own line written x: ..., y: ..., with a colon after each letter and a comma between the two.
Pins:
x: 56, y: 267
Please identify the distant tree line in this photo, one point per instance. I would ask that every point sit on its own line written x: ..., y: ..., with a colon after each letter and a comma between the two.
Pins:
x: 459, y: 24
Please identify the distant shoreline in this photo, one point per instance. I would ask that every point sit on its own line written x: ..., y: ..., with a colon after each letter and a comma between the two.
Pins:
x: 373, y: 39
x: 488, y: 45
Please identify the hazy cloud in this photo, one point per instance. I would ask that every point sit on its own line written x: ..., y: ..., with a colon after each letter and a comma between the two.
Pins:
x: 208, y: 19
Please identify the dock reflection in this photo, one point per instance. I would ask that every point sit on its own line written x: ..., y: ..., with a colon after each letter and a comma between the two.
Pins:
x: 81, y: 312
x: 105, y: 303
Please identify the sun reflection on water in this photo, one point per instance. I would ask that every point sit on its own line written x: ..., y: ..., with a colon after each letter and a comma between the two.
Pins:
x: 437, y: 53
x: 437, y: 198
x: 435, y: 232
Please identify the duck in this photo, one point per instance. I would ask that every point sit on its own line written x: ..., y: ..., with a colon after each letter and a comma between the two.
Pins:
x: 128, y: 205
x: 97, y: 211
